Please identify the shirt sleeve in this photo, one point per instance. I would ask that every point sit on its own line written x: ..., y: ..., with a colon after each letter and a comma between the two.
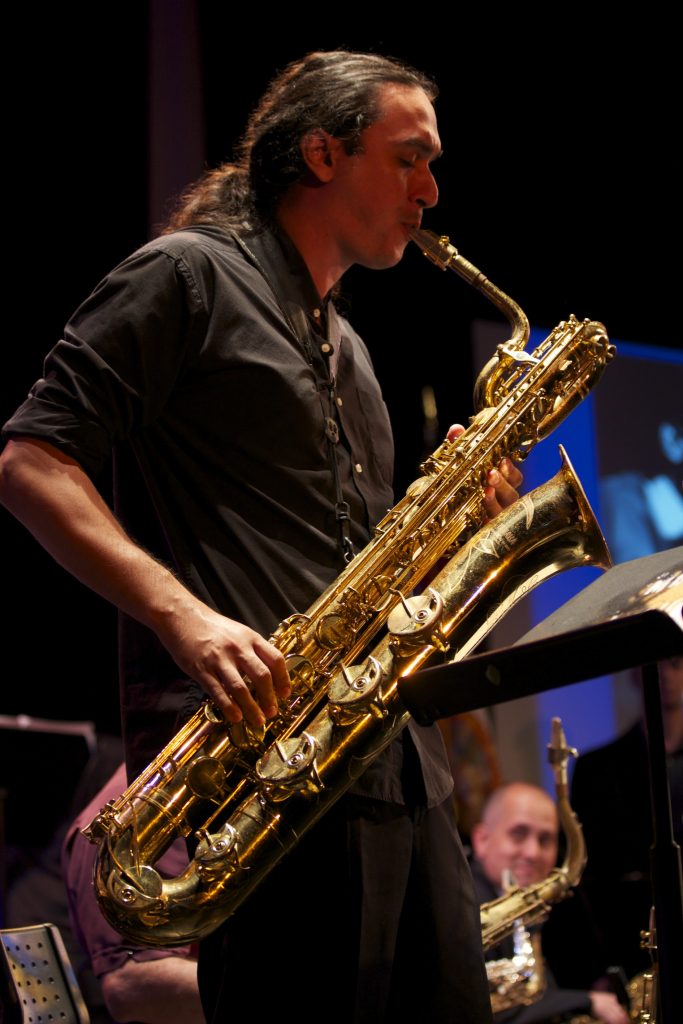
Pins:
x: 119, y: 359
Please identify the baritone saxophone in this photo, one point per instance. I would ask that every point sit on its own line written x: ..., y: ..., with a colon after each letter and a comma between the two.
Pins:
x: 249, y: 794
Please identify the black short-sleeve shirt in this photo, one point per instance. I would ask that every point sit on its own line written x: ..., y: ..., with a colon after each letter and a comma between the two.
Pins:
x: 201, y: 363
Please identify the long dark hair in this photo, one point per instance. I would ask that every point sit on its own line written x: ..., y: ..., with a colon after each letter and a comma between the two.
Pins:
x: 337, y: 91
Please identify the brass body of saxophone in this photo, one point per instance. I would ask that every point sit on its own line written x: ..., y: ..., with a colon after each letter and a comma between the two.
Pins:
x: 248, y: 795
x: 519, y: 980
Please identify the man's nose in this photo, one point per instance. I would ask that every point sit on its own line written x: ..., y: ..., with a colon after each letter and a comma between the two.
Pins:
x: 531, y: 848
x: 426, y: 192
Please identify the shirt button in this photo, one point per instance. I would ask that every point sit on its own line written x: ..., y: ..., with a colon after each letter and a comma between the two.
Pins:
x: 340, y: 401
x: 325, y: 348
x: 358, y: 468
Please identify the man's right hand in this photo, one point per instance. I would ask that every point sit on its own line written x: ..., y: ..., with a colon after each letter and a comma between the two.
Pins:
x: 55, y: 499
x: 605, y: 1006
x: 242, y: 673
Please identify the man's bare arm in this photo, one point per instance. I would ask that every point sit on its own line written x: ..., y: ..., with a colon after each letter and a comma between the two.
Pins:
x: 56, y: 500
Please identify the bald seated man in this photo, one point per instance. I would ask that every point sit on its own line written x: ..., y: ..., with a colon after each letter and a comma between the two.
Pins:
x: 519, y: 832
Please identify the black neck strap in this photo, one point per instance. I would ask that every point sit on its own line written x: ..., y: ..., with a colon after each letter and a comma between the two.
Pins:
x: 300, y: 326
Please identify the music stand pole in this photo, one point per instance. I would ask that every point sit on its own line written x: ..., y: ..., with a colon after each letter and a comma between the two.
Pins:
x: 665, y: 857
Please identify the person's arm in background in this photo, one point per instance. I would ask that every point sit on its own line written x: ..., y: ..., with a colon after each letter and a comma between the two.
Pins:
x: 154, y: 991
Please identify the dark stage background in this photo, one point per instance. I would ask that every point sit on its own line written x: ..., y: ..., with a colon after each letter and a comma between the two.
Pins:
x: 557, y: 180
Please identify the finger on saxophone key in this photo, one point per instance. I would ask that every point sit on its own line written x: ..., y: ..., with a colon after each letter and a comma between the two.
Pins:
x: 501, y: 487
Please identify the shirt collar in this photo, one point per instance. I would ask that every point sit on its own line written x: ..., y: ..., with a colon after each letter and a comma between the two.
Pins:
x: 276, y: 257
x: 285, y: 268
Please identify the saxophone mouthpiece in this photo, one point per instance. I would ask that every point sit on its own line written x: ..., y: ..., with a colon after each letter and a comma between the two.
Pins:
x: 437, y: 249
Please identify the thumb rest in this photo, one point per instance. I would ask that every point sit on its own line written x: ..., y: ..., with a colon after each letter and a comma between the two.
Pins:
x: 249, y: 794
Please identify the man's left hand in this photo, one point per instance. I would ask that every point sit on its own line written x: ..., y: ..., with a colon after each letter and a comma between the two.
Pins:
x: 502, y: 487
x: 502, y: 483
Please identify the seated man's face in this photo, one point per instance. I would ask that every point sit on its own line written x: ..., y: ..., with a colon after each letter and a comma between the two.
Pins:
x: 519, y: 833
x: 671, y: 683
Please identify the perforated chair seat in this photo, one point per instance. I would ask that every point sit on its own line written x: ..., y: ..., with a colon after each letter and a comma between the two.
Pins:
x: 37, y: 981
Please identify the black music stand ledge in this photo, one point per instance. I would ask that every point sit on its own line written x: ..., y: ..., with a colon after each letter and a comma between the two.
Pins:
x: 632, y: 616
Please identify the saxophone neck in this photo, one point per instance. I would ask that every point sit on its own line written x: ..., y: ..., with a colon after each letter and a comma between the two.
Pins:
x: 440, y: 251
x: 558, y: 756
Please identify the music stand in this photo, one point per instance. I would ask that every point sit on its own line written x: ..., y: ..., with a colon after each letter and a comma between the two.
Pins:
x: 631, y: 617
x: 41, y: 763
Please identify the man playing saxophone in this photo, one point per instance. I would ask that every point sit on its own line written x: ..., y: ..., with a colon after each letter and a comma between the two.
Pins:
x: 518, y: 835
x: 253, y: 456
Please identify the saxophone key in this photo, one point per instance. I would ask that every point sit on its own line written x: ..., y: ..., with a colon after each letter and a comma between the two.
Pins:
x: 356, y: 690
x: 139, y: 887
x: 216, y: 850
x: 289, y: 766
x: 206, y: 778
x: 416, y: 622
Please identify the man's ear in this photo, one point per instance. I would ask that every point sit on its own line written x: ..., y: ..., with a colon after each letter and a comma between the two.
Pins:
x: 478, y: 837
x: 319, y: 150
